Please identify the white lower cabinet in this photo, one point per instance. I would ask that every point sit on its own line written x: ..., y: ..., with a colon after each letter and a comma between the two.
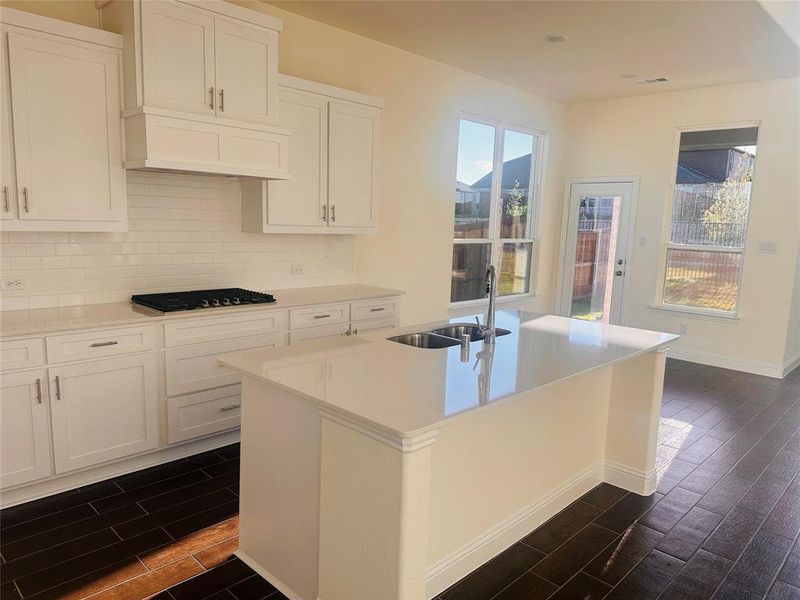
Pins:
x: 103, y: 410
x: 24, y: 429
x: 315, y: 333
x: 195, y: 368
x: 203, y: 413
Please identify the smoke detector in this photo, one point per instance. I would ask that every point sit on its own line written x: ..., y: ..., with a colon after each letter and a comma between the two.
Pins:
x: 652, y: 80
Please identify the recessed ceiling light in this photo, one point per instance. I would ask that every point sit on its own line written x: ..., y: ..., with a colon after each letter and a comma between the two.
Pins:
x: 629, y: 75
x: 555, y: 38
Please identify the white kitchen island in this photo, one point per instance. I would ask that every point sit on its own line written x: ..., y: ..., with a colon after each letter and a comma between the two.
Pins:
x: 372, y: 470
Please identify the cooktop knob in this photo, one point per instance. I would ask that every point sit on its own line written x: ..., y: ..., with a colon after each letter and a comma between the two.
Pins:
x: 214, y: 302
x: 204, y: 304
x: 236, y: 300
x: 226, y: 302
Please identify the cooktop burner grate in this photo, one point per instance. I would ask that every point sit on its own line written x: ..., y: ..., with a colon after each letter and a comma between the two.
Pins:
x: 174, y: 301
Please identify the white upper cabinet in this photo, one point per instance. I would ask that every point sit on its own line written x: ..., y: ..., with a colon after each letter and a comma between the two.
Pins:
x: 334, y: 149
x: 61, y: 131
x: 200, y: 87
x: 353, y: 132
x: 178, y: 56
x: 246, y: 61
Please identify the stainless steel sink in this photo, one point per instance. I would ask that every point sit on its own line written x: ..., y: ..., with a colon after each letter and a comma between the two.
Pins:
x: 444, y: 337
x: 424, y: 340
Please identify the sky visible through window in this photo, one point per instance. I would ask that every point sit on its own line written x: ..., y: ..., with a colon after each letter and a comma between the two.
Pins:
x: 476, y: 149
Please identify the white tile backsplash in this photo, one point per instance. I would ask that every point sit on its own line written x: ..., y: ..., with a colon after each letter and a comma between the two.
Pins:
x: 184, y: 233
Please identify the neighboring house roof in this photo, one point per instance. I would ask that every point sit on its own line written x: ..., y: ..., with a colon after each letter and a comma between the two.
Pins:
x: 463, y: 187
x: 689, y: 175
x: 516, y: 169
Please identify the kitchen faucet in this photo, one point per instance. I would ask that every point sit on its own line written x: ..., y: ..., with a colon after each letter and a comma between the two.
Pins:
x: 488, y: 329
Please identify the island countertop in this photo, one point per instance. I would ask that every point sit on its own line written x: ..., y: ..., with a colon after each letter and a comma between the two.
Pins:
x: 406, y: 391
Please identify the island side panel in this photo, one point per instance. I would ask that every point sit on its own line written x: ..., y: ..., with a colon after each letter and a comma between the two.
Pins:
x: 497, y: 475
x: 279, y: 492
x: 373, y: 516
x: 634, y: 411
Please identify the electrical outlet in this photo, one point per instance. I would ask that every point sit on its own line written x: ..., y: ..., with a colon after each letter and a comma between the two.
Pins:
x: 683, y: 328
x: 298, y: 268
x: 767, y: 247
x: 14, y: 283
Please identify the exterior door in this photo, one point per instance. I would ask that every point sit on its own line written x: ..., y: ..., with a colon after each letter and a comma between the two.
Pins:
x: 178, y: 56
x: 24, y: 431
x: 103, y: 410
x: 352, y: 185
x: 65, y: 99
x: 246, y: 67
x: 594, y: 265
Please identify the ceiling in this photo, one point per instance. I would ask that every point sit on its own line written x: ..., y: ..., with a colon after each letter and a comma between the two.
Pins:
x: 693, y: 44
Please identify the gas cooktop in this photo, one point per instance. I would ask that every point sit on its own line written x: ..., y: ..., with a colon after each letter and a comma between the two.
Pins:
x: 173, y: 301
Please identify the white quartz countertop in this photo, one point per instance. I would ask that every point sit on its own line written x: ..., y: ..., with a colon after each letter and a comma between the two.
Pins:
x: 47, y: 320
x: 405, y: 391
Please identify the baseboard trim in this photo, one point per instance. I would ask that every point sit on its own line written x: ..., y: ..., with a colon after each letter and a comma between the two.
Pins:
x: 281, y: 587
x: 447, y: 571
x: 776, y: 370
x: 634, y: 480
x: 69, y: 481
x: 791, y: 364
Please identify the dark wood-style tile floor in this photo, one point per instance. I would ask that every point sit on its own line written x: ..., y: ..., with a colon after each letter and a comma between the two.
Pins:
x: 724, y: 523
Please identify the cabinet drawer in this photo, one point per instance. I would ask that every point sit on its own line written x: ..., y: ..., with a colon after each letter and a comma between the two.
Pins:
x: 195, y: 331
x: 96, y: 344
x: 203, y: 413
x: 374, y: 325
x: 314, y: 316
x: 375, y: 309
x: 195, y: 368
x: 19, y: 354
x: 313, y: 333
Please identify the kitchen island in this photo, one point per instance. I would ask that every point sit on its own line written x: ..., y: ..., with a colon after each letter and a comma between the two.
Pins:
x: 376, y: 470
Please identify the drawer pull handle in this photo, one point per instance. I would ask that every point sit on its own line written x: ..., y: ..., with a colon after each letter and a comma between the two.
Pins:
x: 101, y: 344
x: 38, y: 390
x: 25, y: 199
x: 58, y: 388
x: 6, y: 207
x: 376, y: 309
x: 229, y: 407
x: 321, y: 316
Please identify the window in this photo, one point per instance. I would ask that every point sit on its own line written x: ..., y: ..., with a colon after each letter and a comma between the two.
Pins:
x: 710, y: 204
x: 493, y: 214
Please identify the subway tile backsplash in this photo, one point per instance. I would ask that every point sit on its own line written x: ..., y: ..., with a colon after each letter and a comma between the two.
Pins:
x: 184, y: 233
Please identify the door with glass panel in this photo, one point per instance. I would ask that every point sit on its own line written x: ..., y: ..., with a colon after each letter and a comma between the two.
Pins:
x: 495, y: 192
x: 594, y: 269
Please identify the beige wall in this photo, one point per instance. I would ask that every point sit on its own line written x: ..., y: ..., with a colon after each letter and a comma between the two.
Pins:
x: 636, y: 136
x: 419, y: 132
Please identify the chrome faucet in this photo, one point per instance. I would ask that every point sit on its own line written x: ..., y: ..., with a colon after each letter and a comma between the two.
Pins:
x: 488, y: 329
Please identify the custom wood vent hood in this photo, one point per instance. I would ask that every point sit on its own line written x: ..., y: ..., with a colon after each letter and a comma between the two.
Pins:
x: 200, y: 87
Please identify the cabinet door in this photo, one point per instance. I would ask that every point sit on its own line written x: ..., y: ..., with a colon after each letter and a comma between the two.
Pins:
x: 24, y: 432
x: 302, y: 199
x: 246, y: 61
x: 8, y: 180
x: 178, y: 57
x: 352, y: 151
x: 103, y: 410
x: 65, y: 99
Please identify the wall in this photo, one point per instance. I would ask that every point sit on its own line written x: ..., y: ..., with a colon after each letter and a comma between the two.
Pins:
x: 185, y: 233
x: 636, y: 136
x: 419, y: 132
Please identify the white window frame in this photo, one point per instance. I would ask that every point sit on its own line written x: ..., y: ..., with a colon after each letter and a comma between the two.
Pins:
x: 666, y: 234
x: 535, y: 194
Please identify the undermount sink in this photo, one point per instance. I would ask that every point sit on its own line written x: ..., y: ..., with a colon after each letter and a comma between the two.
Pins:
x: 444, y: 337
x: 424, y: 340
